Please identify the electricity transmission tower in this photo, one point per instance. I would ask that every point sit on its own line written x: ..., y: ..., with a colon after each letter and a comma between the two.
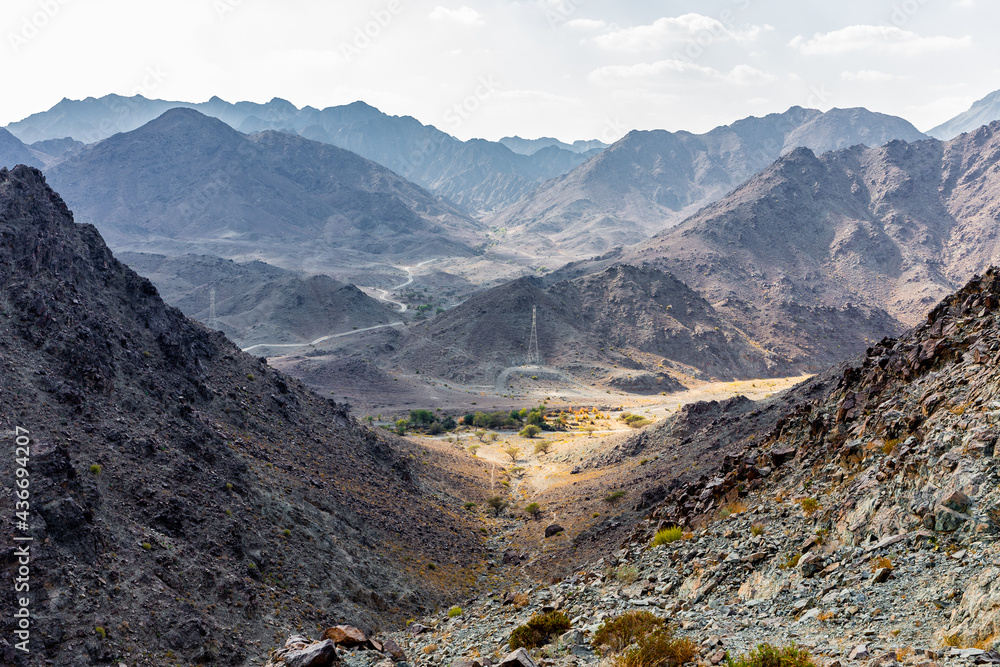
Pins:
x: 533, y: 356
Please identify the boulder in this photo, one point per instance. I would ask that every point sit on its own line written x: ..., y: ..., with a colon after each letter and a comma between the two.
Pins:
x: 554, y: 529
x: 947, y: 520
x: 320, y: 654
x: 957, y: 501
x: 518, y: 658
x: 345, y: 635
x: 859, y: 652
x: 393, y: 650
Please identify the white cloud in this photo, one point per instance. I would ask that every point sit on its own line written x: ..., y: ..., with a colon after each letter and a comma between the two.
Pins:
x: 679, y: 69
x: 664, y: 32
x: 876, y: 39
x: 869, y: 76
x: 464, y: 15
x: 586, y: 24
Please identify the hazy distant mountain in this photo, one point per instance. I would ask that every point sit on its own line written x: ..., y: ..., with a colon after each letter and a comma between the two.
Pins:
x: 983, y: 112
x: 478, y: 175
x: 54, y: 150
x: 190, y: 178
x: 13, y: 152
x: 532, y: 146
x: 256, y: 302
x: 855, y: 232
x: 651, y: 180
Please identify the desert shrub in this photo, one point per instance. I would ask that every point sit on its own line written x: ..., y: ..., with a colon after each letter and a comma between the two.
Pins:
x: 534, y: 509
x: 614, y: 497
x: 542, y: 447
x: 766, y: 655
x: 96, y: 468
x: 473, y: 449
x: 622, y: 631
x: 497, y: 504
x: 881, y: 562
x: 530, y: 431
x: 955, y: 640
x: 101, y: 632
x: 659, y: 649
x: 791, y: 560
x: 639, y: 423
x: 626, y: 574
x: 757, y: 529
x: 539, y: 630
x: 454, y: 611
x: 809, y: 505
x: 469, y: 506
x: 668, y: 535
x: 512, y: 451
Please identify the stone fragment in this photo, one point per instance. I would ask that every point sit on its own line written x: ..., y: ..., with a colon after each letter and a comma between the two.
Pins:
x: 320, y: 654
x: 881, y: 575
x: 345, y: 635
x: 466, y: 663
x: 571, y: 638
x: 417, y: 629
x: 554, y: 529
x: 859, y: 652
x: 717, y: 657
x: 393, y: 649
x: 518, y: 658
x: 297, y: 641
x: 781, y: 456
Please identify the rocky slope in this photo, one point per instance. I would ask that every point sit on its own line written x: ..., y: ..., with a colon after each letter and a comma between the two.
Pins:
x: 855, y: 516
x: 853, y: 234
x: 185, y: 499
x: 258, y: 303
x: 477, y: 175
x: 983, y: 112
x: 185, y: 178
x: 649, y: 181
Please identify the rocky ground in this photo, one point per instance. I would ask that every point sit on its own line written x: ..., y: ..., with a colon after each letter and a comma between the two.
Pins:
x: 861, y: 525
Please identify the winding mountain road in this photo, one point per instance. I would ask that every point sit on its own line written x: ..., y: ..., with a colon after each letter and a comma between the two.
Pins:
x: 383, y: 296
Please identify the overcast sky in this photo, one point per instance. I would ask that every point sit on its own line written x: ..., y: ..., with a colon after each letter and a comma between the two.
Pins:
x: 571, y: 69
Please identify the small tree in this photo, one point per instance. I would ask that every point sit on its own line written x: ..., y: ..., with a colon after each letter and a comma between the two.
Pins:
x: 512, y: 451
x: 530, y: 431
x: 589, y: 430
x: 493, y: 437
x: 481, y: 435
x: 473, y: 449
x: 497, y: 504
x: 401, y: 426
x: 543, y: 447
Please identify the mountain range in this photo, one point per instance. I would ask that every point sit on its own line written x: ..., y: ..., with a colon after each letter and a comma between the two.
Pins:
x: 187, y: 178
x: 651, y: 180
x: 477, y: 175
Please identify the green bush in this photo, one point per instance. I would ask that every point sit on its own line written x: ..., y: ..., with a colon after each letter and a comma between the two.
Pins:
x: 530, y: 431
x: 614, y: 497
x: 668, y: 535
x: 766, y: 655
x: 454, y: 611
x: 469, y: 506
x: 622, y: 631
x: 540, y: 630
x: 660, y: 648
x: 95, y: 468
x: 498, y: 504
x: 534, y: 509
x: 101, y: 632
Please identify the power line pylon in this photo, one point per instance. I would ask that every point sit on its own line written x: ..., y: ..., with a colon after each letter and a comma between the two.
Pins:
x: 533, y: 356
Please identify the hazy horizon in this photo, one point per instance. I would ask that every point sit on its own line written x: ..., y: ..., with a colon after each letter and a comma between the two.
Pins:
x: 569, y: 69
